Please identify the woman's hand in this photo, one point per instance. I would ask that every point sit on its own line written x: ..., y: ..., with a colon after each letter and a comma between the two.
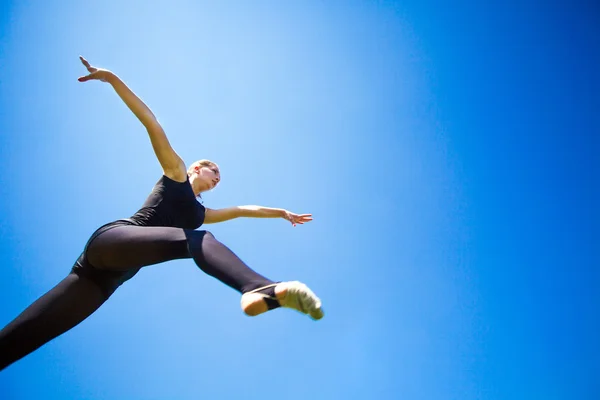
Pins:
x: 296, y: 218
x: 94, y: 73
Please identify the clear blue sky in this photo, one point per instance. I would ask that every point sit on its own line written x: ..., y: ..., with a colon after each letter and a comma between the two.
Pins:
x: 448, y: 152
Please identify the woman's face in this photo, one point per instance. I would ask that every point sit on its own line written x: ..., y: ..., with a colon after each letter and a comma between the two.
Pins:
x: 210, y: 175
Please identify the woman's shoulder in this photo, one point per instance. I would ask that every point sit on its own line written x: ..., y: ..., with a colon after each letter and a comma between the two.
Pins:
x: 169, y: 180
x: 178, y: 175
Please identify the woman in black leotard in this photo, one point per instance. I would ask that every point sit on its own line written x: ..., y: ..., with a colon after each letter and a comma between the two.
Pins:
x: 163, y: 229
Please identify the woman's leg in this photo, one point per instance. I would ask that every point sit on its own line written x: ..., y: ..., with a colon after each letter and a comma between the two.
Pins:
x: 132, y: 247
x: 126, y: 249
x: 66, y: 305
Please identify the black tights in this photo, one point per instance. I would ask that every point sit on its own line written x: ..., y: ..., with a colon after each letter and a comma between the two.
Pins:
x: 111, y: 257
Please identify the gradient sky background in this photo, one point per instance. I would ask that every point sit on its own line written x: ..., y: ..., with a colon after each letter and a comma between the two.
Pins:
x: 448, y: 152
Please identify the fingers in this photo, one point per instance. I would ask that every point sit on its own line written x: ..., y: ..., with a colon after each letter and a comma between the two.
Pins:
x: 304, y: 217
x: 87, y: 65
x: 85, y: 78
x: 301, y: 215
x: 298, y: 218
x: 85, y: 62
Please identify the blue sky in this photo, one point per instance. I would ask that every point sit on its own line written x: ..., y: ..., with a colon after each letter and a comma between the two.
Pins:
x: 448, y: 153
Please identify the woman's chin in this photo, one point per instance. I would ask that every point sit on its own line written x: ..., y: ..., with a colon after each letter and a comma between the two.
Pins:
x: 205, y: 189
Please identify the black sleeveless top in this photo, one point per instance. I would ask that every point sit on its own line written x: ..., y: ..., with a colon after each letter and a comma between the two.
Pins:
x: 170, y: 203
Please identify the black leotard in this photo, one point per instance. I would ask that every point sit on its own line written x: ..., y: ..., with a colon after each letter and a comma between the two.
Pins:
x: 170, y: 204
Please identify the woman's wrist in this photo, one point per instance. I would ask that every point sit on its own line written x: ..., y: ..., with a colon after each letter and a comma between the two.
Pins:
x: 111, y: 78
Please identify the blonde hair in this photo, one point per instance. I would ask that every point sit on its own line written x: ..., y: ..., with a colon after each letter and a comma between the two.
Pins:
x: 201, y: 163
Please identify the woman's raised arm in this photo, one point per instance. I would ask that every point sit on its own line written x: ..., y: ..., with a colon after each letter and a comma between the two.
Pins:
x: 172, y: 165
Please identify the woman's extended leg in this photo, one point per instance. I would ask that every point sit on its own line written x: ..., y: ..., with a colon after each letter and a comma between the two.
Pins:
x: 132, y: 247
x: 60, y: 309
x: 128, y: 247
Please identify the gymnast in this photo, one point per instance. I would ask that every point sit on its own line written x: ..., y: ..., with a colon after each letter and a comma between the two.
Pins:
x: 163, y: 229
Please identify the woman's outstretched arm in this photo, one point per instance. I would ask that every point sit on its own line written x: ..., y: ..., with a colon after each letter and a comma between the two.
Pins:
x: 172, y: 165
x: 225, y: 214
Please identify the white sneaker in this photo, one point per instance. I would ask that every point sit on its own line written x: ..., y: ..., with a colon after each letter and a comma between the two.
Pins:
x: 299, y: 297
